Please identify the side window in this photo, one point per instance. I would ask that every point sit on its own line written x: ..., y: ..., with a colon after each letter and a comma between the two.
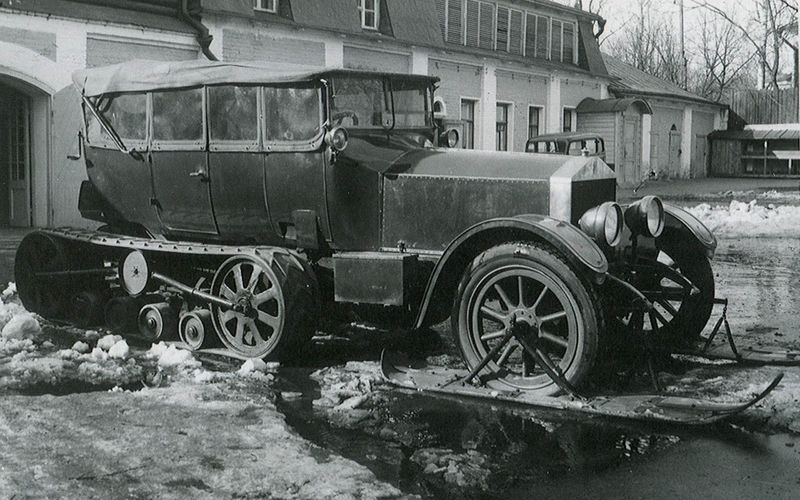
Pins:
x: 178, y: 116
x: 127, y: 115
x: 291, y: 114
x: 233, y: 114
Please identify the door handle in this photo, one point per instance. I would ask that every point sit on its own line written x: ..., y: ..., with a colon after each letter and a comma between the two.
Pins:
x: 201, y: 173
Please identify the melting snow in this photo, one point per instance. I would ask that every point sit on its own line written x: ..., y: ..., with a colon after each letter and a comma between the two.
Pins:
x: 108, y: 342
x: 740, y: 219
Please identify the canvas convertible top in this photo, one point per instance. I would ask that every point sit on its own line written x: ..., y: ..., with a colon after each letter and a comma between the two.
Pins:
x: 142, y: 75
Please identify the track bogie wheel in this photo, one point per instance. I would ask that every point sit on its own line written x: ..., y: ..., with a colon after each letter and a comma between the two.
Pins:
x: 271, y: 317
x: 529, y: 288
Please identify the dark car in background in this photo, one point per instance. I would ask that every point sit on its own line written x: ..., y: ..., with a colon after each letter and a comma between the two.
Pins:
x: 568, y: 143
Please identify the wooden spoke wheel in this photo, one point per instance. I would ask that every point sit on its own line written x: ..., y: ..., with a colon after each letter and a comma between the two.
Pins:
x: 37, y: 255
x: 256, y: 328
x: 528, y: 288
x: 681, y: 286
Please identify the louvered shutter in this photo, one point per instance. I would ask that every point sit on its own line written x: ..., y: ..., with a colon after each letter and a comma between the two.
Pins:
x: 502, y: 28
x: 515, y: 33
x: 569, y: 43
x: 441, y: 8
x: 486, y: 36
x: 472, y: 22
x: 555, y: 50
x: 454, y: 16
x: 542, y: 36
x: 530, y: 36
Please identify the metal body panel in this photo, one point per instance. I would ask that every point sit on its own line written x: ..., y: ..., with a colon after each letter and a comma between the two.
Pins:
x: 181, y: 188
x: 372, y: 277
x: 124, y: 183
x: 295, y: 181
x: 681, y: 219
x: 428, y: 212
x: 353, y: 192
x: 237, y: 191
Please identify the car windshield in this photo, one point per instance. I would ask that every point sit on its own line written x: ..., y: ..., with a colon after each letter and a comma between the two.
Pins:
x: 369, y: 102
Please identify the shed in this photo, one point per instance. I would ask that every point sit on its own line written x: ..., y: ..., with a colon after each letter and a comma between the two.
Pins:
x: 758, y: 150
x: 619, y: 123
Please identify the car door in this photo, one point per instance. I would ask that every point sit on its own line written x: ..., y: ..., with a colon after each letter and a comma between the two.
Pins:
x: 236, y: 165
x: 295, y: 162
x: 179, y: 163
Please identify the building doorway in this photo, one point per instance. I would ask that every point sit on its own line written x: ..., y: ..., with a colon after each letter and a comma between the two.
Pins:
x: 15, y: 158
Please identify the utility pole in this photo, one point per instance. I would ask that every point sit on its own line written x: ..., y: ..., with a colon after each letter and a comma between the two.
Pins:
x: 683, y: 51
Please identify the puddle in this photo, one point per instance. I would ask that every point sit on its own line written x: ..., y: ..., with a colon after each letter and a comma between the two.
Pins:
x: 434, y: 447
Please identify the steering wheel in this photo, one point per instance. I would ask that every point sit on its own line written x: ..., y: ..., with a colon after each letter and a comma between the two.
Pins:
x: 346, y: 113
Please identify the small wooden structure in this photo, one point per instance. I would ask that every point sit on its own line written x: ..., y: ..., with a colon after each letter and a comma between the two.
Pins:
x: 619, y: 123
x: 757, y: 151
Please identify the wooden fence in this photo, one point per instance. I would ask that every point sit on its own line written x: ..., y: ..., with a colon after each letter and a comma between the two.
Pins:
x: 764, y: 106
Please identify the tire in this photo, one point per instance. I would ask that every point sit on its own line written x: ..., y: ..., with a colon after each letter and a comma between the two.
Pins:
x: 694, y: 312
x: 572, y: 330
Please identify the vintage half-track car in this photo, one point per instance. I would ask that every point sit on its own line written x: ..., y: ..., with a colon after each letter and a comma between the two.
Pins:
x: 240, y: 203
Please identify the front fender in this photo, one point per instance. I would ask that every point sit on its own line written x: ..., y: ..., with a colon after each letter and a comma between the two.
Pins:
x: 682, y: 221
x: 579, y: 250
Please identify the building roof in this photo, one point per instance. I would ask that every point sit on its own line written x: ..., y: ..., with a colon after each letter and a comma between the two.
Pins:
x: 141, y: 75
x: 633, y: 81
x: 589, y: 105
x: 760, y: 132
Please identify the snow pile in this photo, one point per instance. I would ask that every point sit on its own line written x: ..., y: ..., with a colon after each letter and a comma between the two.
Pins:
x: 9, y: 292
x: 169, y: 356
x: 468, y: 469
x: 749, y: 219
x: 252, y: 366
x: 108, y: 342
x: 348, y: 387
x: 119, y: 350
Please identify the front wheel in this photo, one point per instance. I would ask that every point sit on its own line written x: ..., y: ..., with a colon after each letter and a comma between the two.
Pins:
x: 531, y: 286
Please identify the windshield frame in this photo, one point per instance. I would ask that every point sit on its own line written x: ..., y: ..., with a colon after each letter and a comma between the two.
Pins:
x: 388, y: 98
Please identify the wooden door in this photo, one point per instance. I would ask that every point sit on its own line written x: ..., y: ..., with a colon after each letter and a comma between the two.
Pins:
x: 700, y: 154
x: 674, y: 159
x: 632, y: 141
x: 16, y: 135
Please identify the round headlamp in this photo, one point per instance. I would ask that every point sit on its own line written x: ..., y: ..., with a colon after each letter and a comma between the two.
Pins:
x: 646, y: 217
x: 449, y: 138
x: 337, y: 139
x: 603, y: 223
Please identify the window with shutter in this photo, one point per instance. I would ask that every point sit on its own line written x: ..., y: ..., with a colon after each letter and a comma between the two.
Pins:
x: 569, y: 43
x: 486, y: 26
x: 502, y: 28
x: 530, y: 35
x: 473, y: 21
x: 441, y: 11
x: 515, y: 33
x: 542, y: 36
x: 555, y: 48
x: 454, y: 21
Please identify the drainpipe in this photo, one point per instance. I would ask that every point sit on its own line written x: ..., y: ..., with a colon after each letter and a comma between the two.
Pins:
x: 204, y: 38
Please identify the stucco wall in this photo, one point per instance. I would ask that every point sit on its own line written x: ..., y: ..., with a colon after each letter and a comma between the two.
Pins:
x: 102, y: 50
x: 252, y: 45
x: 521, y: 91
x: 457, y: 81
x: 376, y: 60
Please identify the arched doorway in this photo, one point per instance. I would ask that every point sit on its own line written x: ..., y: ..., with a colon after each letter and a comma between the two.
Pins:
x: 18, y: 150
x: 28, y: 84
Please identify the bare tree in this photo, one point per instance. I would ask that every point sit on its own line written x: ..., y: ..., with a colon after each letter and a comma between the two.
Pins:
x: 723, y: 60
x: 648, y: 43
x: 762, y: 24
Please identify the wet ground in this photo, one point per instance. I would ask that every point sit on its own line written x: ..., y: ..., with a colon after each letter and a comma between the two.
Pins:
x: 419, y: 445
